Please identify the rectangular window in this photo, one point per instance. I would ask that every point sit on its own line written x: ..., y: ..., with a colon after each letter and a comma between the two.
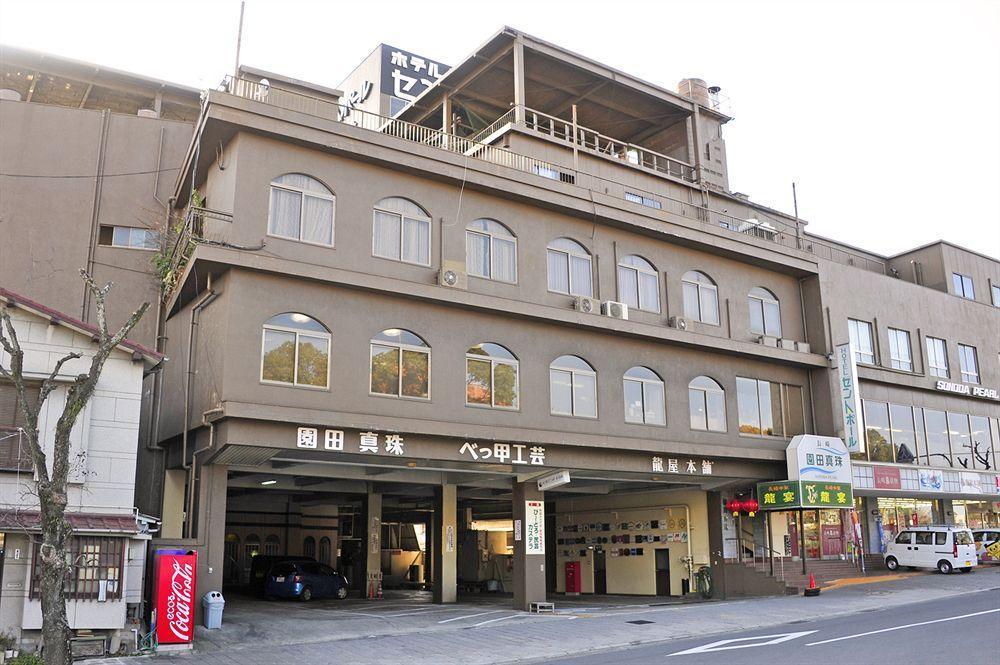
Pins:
x: 995, y: 290
x: 963, y: 286
x: 95, y: 571
x: 899, y: 349
x: 937, y: 357
x: 862, y: 341
x: 904, y: 440
x: 128, y: 237
x: 769, y: 409
x: 938, y: 449
x: 969, y: 363
x: 643, y: 200
x: 877, y: 434
x: 961, y: 439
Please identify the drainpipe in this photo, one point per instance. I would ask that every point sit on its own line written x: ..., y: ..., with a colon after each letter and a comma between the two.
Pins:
x: 160, y: 342
x: 195, y: 478
x: 195, y: 311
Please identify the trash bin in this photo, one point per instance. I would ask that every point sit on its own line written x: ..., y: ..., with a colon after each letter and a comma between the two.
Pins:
x: 213, y: 603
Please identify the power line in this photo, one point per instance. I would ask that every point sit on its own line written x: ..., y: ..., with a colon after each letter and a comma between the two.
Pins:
x: 88, y: 175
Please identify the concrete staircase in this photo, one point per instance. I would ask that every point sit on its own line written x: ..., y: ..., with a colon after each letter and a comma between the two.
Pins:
x: 824, y: 571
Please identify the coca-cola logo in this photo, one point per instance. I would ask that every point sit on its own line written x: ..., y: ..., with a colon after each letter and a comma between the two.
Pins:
x: 179, y: 600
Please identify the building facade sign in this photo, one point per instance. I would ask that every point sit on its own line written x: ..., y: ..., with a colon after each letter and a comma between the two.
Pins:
x: 353, y: 99
x: 675, y: 466
x: 818, y: 459
x: 407, y: 75
x: 850, y: 398
x: 887, y: 478
x: 534, y: 527
x: 967, y: 390
x: 794, y: 494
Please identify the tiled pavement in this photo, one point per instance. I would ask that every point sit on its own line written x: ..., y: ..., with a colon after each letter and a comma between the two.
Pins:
x: 410, y: 630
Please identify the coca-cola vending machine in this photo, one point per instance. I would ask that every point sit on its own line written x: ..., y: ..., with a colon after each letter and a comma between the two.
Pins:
x: 174, y: 577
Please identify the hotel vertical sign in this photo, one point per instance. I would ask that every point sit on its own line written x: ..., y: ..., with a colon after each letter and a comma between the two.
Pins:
x: 850, y: 399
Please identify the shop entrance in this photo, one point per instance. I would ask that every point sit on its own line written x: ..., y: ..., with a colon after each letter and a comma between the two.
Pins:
x: 825, y: 532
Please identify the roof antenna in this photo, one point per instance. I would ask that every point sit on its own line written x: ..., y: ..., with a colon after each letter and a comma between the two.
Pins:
x: 239, y: 40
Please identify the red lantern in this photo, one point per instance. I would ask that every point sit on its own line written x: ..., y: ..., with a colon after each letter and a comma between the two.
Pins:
x: 751, y: 506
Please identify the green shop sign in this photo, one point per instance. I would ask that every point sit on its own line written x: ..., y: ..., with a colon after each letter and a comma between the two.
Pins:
x: 786, y: 494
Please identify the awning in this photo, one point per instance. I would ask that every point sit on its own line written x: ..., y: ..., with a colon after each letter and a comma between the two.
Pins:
x: 12, y: 520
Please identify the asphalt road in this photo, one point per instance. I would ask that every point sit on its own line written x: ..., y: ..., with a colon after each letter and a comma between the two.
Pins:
x: 960, y: 629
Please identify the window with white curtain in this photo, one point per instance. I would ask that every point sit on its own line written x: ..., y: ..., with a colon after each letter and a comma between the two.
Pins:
x: 401, y: 231
x: 862, y: 341
x: 569, y: 268
x: 302, y: 208
x: 937, y: 357
x: 295, y: 351
x: 968, y: 363
x: 638, y: 284
x: 573, y: 387
x: 491, y: 251
x: 644, y: 397
x: 707, y: 403
x: 765, y: 313
x: 701, y: 297
x: 899, y: 350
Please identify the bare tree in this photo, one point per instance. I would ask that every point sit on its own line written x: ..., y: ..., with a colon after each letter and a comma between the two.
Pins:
x: 51, y: 488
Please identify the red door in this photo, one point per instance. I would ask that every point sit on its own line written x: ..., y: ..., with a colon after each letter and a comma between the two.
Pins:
x: 833, y: 544
x: 573, y: 580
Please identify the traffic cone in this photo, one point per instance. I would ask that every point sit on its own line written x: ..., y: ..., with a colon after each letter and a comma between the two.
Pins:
x: 812, y: 590
x: 371, y: 589
x: 380, y: 587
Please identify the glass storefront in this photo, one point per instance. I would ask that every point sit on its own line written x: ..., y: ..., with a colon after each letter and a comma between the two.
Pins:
x: 824, y: 532
x: 897, y: 514
x: 975, y: 514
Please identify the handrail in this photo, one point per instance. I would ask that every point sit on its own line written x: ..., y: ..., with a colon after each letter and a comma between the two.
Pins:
x: 494, y: 126
x: 594, y: 141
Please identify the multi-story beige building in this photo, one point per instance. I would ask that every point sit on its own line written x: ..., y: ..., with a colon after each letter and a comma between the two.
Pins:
x: 395, y: 323
x: 406, y: 317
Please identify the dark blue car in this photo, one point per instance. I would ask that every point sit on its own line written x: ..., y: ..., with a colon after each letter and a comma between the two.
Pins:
x: 305, y: 580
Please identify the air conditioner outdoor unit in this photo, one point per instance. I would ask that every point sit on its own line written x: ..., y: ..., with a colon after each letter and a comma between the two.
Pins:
x: 453, y: 275
x: 614, y: 309
x: 768, y: 340
x: 586, y: 305
x: 678, y: 322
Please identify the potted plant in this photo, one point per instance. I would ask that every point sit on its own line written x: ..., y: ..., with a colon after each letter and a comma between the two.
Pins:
x: 7, y: 644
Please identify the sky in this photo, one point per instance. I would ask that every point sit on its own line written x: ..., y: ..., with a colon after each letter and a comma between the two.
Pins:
x: 885, y: 113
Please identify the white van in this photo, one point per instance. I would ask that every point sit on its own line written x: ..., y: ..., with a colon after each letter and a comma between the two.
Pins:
x: 941, y: 547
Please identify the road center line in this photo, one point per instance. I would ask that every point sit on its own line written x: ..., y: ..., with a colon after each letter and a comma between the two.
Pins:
x: 483, y: 623
x: 469, y: 616
x: 909, y: 625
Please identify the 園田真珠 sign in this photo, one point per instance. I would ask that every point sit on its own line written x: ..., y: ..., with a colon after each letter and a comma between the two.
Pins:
x: 819, y: 459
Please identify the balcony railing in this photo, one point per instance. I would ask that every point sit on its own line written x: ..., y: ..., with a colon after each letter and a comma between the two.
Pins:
x: 607, y: 146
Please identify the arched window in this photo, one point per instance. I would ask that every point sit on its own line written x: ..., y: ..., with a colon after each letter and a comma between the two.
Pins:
x: 401, y: 364
x: 643, y: 390
x: 569, y: 268
x: 271, y: 545
x: 573, y: 387
x: 401, y: 231
x: 765, y: 313
x: 302, y: 208
x: 707, y: 402
x: 491, y: 251
x: 324, y: 551
x: 701, y: 297
x: 295, y: 351
x: 309, y: 547
x: 491, y: 376
x: 638, y: 285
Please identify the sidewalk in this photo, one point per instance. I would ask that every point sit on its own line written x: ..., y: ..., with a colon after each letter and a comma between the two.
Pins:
x: 418, y: 633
